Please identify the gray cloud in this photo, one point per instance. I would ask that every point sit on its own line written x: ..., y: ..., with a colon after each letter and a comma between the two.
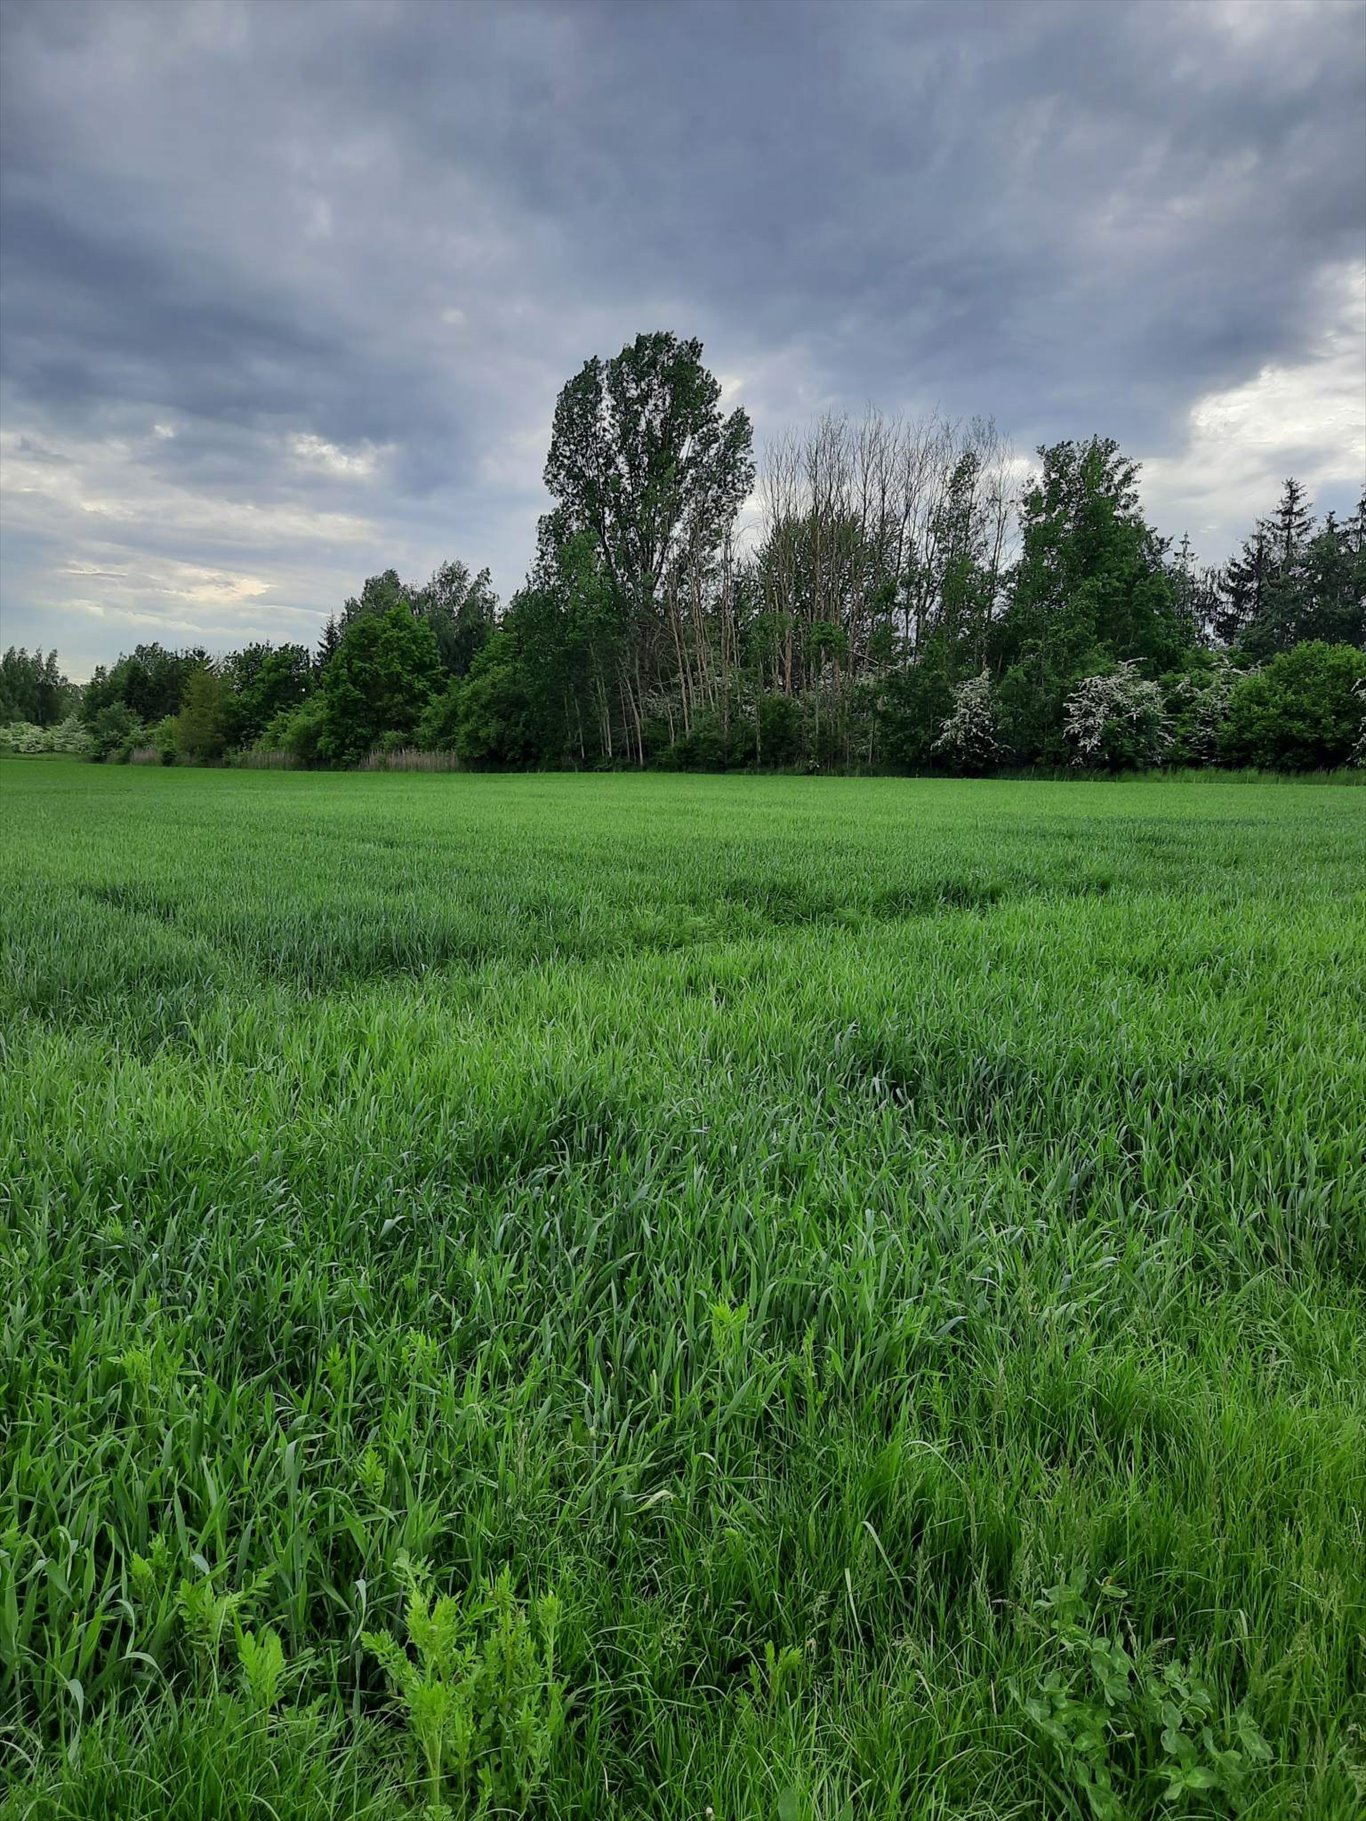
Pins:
x: 287, y: 290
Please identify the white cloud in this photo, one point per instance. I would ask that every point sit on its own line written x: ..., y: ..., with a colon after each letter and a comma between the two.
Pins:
x: 148, y: 590
x: 316, y: 452
x: 121, y: 535
x: 51, y: 484
x: 1306, y: 418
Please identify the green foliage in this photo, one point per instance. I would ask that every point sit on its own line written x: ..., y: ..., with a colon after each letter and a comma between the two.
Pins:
x: 1031, y: 697
x: 724, y: 738
x: 571, y: 635
x: 149, y: 683
x: 642, y: 460
x: 164, y: 738
x: 201, y: 727
x: 462, y: 611
x: 440, y: 722
x: 648, y: 478
x: 261, y: 1661
x: 114, y: 731
x: 491, y: 709
x: 1295, y: 582
x: 299, y: 732
x: 779, y: 731
x: 1334, y: 610
x: 263, y: 681
x: 1300, y: 712
x: 480, y: 1692
x: 881, y: 588
x: 913, y: 703
x: 208, y: 1616
x: 380, y: 595
x: 1092, y: 589
x: 1129, y: 1727
x: 33, y: 690
x: 379, y: 680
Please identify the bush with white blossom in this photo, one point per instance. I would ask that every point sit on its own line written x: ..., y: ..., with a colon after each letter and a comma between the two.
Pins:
x: 1197, y: 707
x: 968, y: 738
x: 1116, y: 721
x: 24, y: 737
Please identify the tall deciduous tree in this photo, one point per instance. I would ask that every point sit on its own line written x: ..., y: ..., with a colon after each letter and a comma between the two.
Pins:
x: 264, y: 681
x: 642, y: 458
x: 379, y: 594
x: 150, y: 682
x: 461, y: 610
x: 32, y: 688
x: 380, y: 678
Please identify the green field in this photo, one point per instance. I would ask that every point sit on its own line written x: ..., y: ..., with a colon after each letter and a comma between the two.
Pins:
x: 889, y: 1257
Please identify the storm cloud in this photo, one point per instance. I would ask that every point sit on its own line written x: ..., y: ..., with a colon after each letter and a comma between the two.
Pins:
x: 287, y: 289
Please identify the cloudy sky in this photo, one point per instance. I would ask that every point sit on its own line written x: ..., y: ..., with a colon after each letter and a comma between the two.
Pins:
x: 288, y: 287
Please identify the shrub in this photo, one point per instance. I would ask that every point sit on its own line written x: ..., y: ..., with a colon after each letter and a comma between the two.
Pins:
x: 1300, y: 712
x: 163, y: 739
x: 440, y: 722
x: 779, y: 730
x: 1032, y: 696
x: 911, y: 707
x: 1116, y: 721
x: 297, y: 732
x: 23, y: 737
x: 27, y: 737
x: 114, y: 732
x: 1196, y: 700
x: 967, y: 740
x: 70, y: 735
x: 715, y: 741
x: 493, y: 709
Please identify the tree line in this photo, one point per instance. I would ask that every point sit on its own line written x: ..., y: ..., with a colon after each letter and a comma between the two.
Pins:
x: 903, y: 602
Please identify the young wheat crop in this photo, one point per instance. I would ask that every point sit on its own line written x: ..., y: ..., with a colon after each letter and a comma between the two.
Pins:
x: 665, y: 1296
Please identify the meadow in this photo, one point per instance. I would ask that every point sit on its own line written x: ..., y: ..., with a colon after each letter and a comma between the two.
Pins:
x: 750, y: 1299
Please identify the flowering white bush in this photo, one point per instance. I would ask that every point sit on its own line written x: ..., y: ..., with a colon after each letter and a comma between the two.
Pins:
x: 1359, y: 750
x: 24, y: 737
x: 1116, y: 720
x: 1197, y: 707
x: 968, y: 737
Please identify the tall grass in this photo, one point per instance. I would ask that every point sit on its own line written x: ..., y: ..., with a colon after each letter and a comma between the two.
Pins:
x: 252, y: 758
x: 887, y: 1257
x: 411, y: 758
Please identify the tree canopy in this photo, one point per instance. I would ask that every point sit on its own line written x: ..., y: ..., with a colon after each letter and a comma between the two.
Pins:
x: 900, y: 599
